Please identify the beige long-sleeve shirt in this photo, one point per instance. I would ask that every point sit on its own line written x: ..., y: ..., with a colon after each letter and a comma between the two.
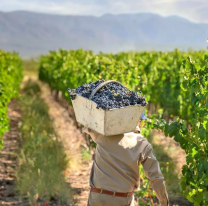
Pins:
x: 115, y: 166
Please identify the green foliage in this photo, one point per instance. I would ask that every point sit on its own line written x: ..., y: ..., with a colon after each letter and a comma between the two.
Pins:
x: 10, y: 79
x: 42, y: 161
x: 192, y: 135
x: 145, y: 193
x: 167, y: 165
x: 170, y: 80
x: 158, y: 75
x: 86, y: 154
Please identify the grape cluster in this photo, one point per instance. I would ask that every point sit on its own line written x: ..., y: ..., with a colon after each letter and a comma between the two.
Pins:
x: 112, y: 95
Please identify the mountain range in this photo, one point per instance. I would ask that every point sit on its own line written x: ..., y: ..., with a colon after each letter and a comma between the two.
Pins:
x: 32, y: 34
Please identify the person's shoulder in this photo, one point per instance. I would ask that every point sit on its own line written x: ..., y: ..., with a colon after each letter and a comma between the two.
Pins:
x: 137, y: 136
x: 141, y: 138
x: 144, y: 145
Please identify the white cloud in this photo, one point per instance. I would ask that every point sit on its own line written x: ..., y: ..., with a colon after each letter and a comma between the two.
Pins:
x: 195, y: 10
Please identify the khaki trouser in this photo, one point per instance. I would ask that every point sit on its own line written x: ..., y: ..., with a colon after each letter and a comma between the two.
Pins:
x: 97, y: 199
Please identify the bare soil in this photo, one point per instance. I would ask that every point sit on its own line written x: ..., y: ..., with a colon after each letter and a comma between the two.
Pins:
x: 8, y: 159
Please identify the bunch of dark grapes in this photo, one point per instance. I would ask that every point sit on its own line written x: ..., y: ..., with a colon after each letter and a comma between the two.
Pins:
x: 112, y: 95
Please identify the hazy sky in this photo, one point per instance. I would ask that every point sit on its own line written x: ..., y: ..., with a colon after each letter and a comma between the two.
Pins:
x: 195, y: 10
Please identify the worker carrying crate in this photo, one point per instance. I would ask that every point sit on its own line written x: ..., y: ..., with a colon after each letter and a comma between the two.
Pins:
x: 113, y: 123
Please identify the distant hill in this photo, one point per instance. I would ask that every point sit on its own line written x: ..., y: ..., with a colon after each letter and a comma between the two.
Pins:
x: 32, y: 34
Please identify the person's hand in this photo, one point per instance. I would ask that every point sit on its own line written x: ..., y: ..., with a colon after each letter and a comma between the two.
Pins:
x: 86, y: 130
x: 139, y: 123
x: 94, y: 135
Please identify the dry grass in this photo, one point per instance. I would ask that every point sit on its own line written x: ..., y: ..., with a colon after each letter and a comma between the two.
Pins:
x: 42, y: 161
x: 31, y: 67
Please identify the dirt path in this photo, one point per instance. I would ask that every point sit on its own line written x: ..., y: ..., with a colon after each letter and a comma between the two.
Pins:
x: 8, y: 159
x: 72, y: 139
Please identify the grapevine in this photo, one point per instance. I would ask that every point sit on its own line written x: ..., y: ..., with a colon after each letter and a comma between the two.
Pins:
x: 10, y: 79
x: 172, y: 81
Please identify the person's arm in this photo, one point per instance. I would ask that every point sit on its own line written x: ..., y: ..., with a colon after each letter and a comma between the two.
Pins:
x: 153, y: 173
